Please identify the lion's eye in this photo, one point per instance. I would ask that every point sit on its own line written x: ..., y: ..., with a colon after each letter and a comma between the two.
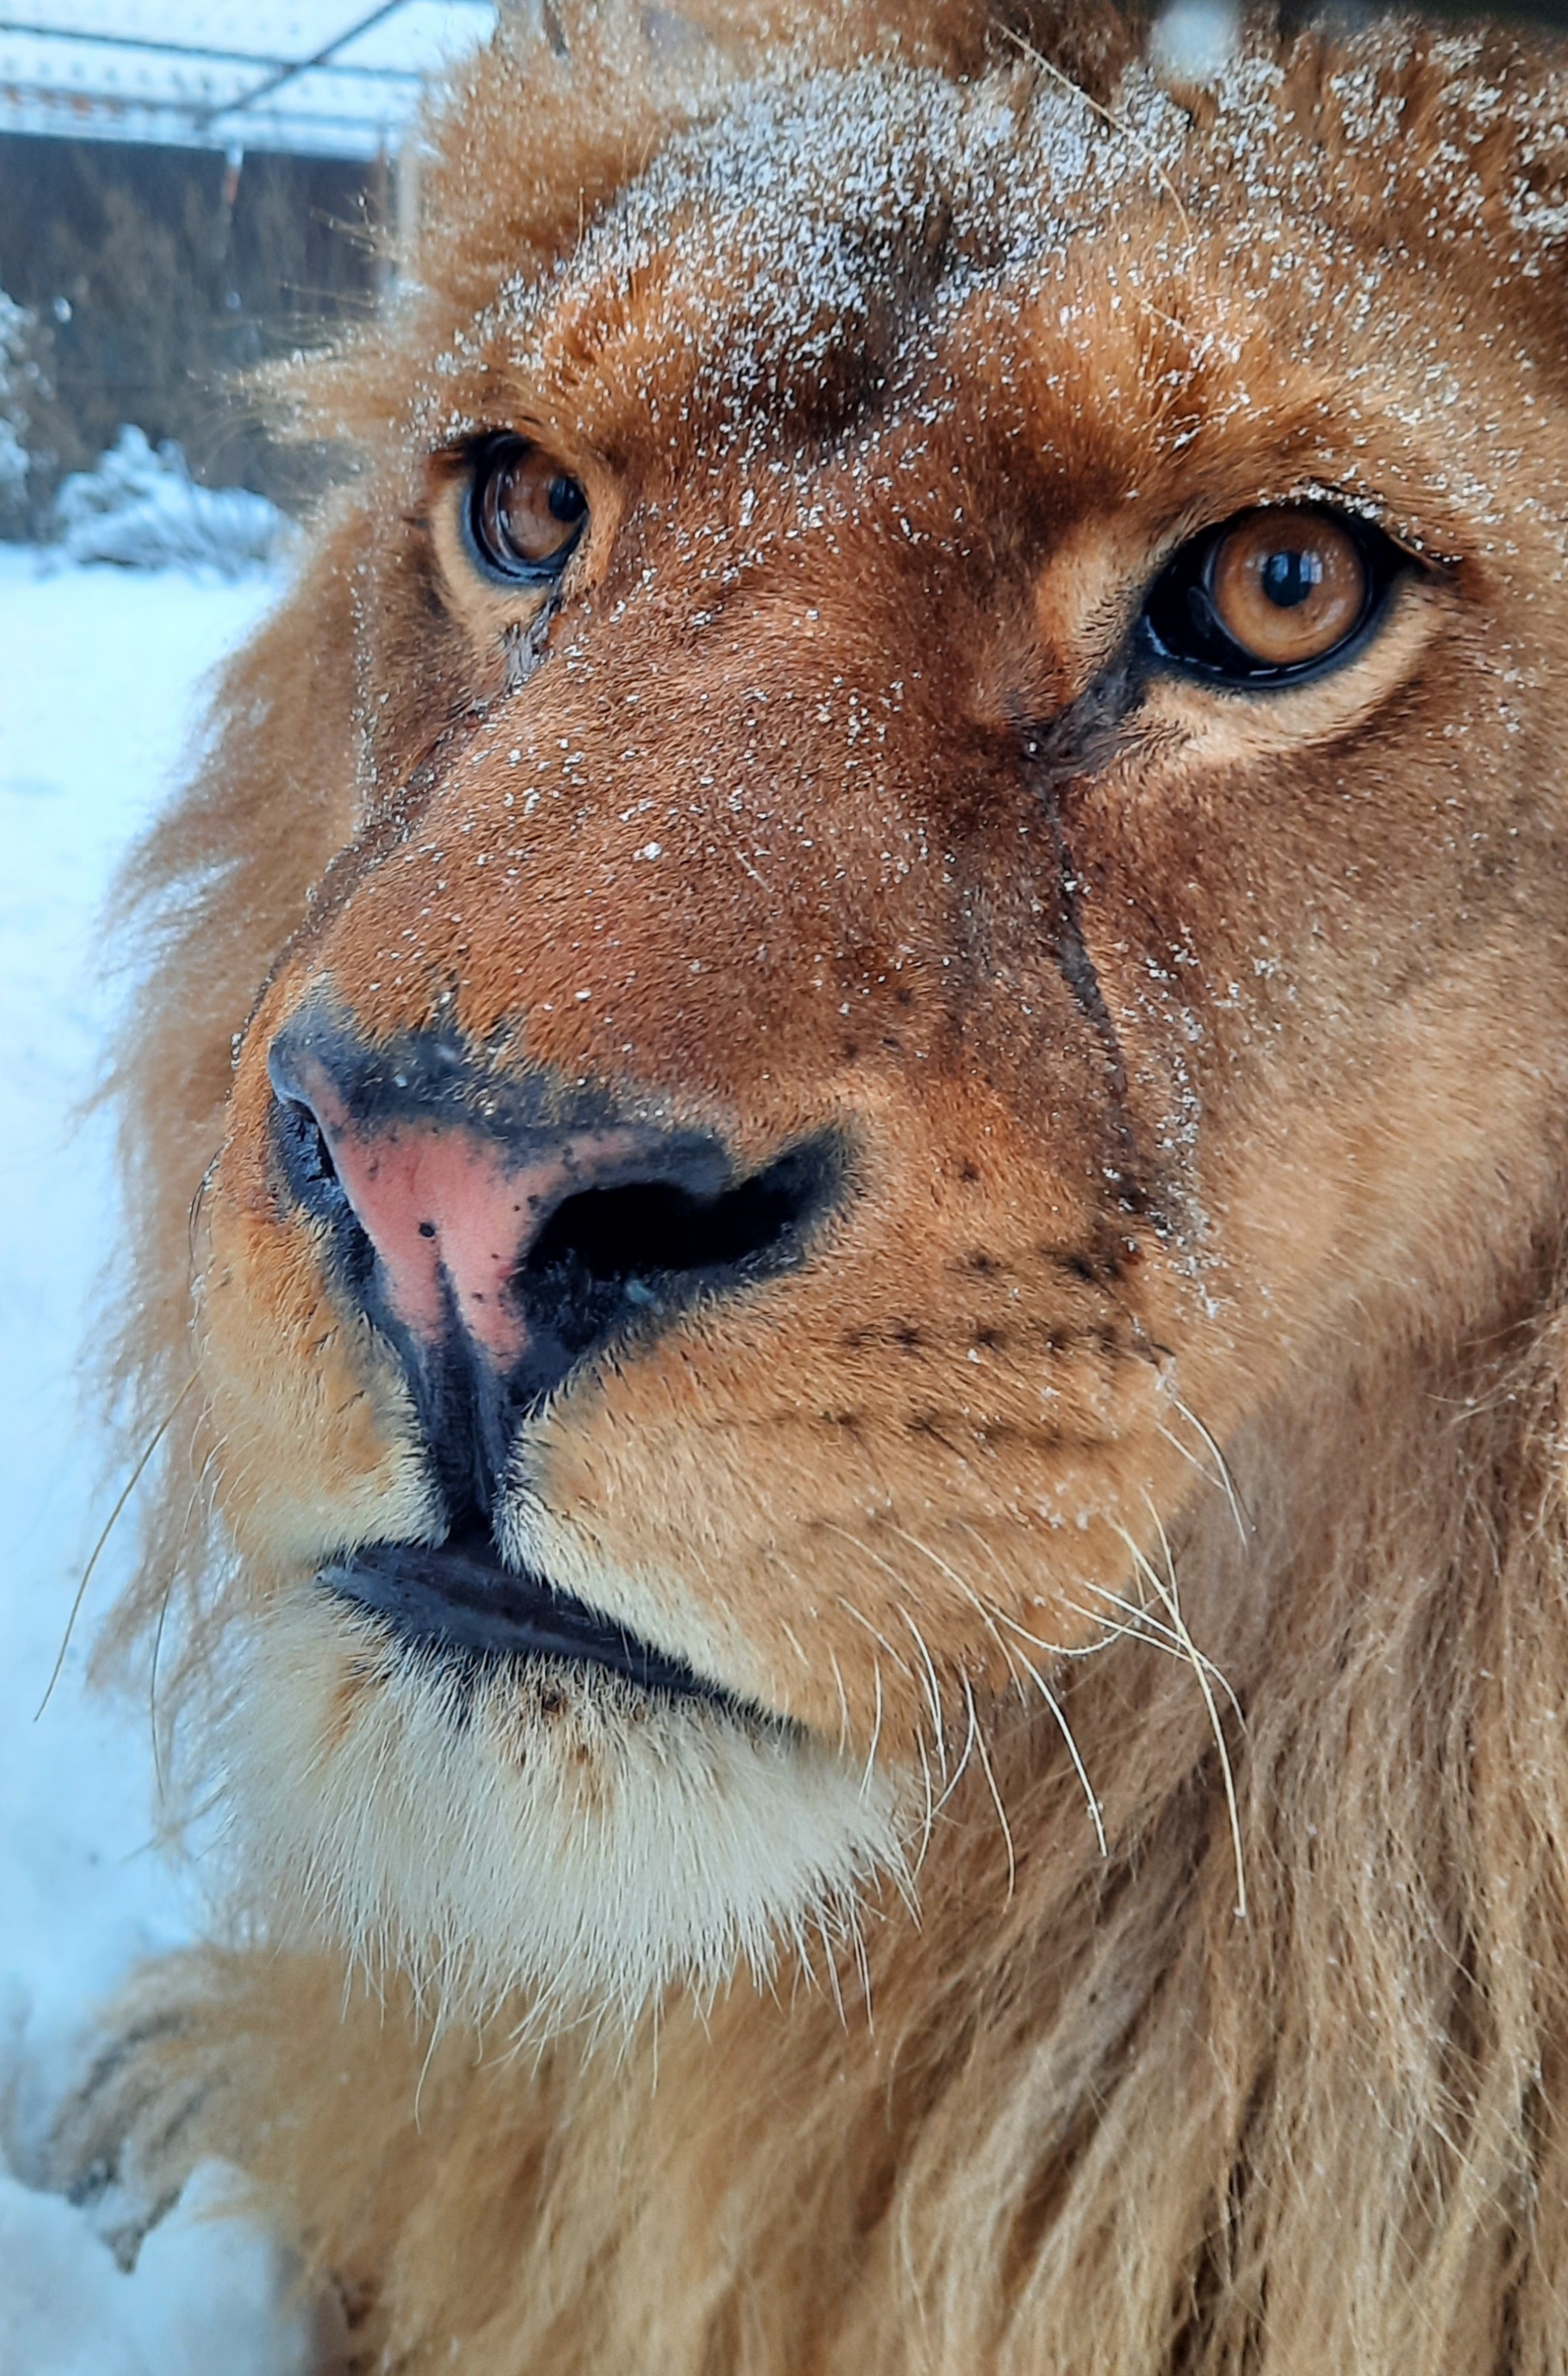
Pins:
x: 1271, y: 595
x: 525, y: 515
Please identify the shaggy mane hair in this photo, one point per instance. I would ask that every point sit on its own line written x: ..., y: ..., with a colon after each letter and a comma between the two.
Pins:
x: 1252, y: 2061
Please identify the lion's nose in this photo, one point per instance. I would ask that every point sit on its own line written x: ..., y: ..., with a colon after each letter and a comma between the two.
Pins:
x: 451, y: 1212
x: 523, y: 1221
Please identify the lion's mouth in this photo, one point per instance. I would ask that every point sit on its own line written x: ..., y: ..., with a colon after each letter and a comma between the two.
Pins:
x: 456, y: 1597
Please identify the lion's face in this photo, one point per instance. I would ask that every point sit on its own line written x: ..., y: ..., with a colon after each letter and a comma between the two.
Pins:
x: 958, y: 828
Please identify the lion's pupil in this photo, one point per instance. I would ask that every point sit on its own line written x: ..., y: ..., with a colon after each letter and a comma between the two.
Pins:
x: 1289, y: 578
x: 567, y: 501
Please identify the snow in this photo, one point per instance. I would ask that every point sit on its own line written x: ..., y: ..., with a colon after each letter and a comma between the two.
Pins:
x: 98, y: 669
x: 143, y: 509
x: 204, y: 2295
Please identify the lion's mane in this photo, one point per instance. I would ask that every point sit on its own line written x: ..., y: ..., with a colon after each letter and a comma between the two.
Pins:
x: 1079, y: 2113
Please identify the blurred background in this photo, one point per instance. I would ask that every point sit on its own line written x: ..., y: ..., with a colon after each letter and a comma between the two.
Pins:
x: 187, y: 188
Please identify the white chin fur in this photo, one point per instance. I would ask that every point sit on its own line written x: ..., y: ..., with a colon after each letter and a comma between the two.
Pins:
x: 555, y: 1834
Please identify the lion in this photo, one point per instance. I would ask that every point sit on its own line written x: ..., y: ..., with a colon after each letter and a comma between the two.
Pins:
x: 849, y: 1131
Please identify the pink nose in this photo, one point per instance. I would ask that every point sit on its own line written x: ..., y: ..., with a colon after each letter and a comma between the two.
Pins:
x: 501, y: 1230
x: 450, y: 1219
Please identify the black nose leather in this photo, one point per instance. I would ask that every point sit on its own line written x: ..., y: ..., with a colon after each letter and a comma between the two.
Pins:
x: 503, y: 1230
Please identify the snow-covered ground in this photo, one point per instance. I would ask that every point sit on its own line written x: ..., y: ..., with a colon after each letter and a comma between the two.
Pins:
x: 98, y: 670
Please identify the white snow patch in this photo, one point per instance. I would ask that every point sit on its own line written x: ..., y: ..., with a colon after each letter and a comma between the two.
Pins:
x: 143, y: 510
x: 203, y: 2294
x: 97, y: 671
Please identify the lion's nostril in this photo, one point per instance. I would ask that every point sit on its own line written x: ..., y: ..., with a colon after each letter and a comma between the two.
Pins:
x: 645, y: 1245
x: 315, y: 1183
x: 307, y: 1158
x: 627, y: 1233
x: 313, y: 1156
x: 656, y: 1226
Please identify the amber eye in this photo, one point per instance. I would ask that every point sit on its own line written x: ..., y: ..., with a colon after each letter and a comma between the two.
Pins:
x: 1272, y: 596
x: 524, y: 513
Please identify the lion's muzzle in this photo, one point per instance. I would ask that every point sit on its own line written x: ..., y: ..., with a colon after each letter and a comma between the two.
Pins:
x: 503, y: 1230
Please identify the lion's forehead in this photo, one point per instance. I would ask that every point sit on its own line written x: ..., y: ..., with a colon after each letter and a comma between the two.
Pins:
x: 835, y: 228
x: 807, y: 204
x: 815, y: 222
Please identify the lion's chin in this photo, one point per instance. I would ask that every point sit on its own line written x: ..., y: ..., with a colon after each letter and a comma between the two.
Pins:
x: 549, y: 1843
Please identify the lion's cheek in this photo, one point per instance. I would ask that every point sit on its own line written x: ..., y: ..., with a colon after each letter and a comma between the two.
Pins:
x: 1371, y: 1193
x: 855, y: 1578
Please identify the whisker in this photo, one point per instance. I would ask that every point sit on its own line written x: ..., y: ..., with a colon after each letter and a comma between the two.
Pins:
x: 969, y: 1737
x: 979, y: 1739
x: 1141, y: 147
x: 132, y: 1481
x: 793, y: 1639
x: 175, y: 1559
x: 1191, y: 1457
x: 843, y: 1703
x: 193, y: 1220
x: 1245, y: 1525
x: 1079, y: 1768
x: 876, y: 1728
x: 989, y: 1622
x: 958, y: 1584
x: 832, y: 1962
x: 932, y: 1691
x: 862, y: 1965
x: 992, y: 1619
x: 1168, y: 1594
x: 1060, y: 1715
x: 880, y: 1639
x: 928, y: 1818
x: 851, y: 1610
x: 1148, y: 1628
x: 1051, y: 1649
x: 1145, y: 1627
x: 159, y: 1791
x: 939, y: 1735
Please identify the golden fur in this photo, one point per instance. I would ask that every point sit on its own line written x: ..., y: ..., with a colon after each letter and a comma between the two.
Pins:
x: 1137, y: 1937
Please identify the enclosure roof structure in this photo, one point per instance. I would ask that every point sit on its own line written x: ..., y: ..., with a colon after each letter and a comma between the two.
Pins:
x: 314, y: 78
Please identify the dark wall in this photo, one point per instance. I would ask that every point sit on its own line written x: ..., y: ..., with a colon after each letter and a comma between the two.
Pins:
x: 156, y: 273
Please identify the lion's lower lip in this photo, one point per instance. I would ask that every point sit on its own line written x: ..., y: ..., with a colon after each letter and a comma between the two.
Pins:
x: 457, y: 1598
